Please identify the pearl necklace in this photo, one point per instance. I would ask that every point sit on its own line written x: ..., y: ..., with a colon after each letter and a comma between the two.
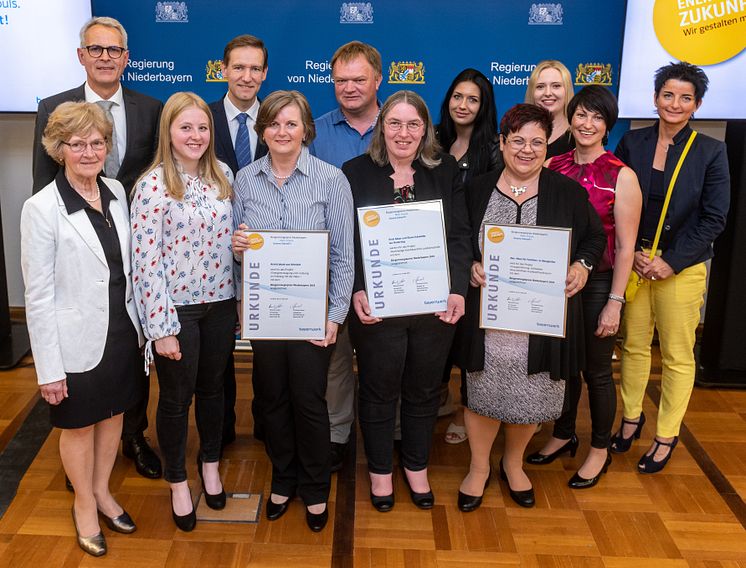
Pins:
x: 278, y: 176
x: 518, y: 190
x: 95, y: 198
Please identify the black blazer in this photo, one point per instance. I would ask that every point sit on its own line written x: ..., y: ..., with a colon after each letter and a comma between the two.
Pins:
x: 699, y: 203
x: 223, y: 144
x: 142, y: 115
x: 562, y: 203
x: 371, y: 185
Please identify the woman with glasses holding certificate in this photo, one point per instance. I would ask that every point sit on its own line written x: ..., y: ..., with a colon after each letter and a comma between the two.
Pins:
x: 287, y: 190
x: 519, y: 378
x: 404, y: 356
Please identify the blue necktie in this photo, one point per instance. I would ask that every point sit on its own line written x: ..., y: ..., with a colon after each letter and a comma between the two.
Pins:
x: 243, y: 143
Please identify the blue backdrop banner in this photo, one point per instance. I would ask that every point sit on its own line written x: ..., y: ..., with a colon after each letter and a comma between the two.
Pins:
x: 177, y: 46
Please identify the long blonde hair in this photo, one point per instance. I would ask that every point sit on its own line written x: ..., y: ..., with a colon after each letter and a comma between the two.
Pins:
x: 209, y: 170
x: 566, y: 81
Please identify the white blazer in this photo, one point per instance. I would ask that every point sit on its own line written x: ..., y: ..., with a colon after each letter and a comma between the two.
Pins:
x: 67, y: 282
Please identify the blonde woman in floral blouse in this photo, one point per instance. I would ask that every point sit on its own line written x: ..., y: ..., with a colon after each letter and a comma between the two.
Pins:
x: 183, y: 280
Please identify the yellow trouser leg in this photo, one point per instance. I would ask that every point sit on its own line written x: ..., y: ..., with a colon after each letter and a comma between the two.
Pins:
x: 637, y: 329
x: 676, y: 304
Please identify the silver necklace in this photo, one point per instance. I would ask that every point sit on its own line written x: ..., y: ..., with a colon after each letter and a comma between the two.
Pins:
x: 278, y: 176
x: 518, y: 190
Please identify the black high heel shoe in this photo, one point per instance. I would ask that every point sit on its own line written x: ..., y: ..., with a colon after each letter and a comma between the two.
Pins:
x: 186, y: 522
x: 523, y: 498
x: 469, y: 503
x: 647, y: 463
x: 537, y: 458
x: 276, y: 510
x: 577, y: 482
x: 422, y: 500
x: 317, y: 521
x: 217, y: 501
x: 620, y: 444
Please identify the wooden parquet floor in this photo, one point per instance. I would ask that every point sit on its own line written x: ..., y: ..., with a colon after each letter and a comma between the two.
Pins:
x: 692, y: 514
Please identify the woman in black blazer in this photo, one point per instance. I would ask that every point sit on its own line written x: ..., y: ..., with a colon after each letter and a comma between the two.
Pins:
x: 673, y: 283
x: 517, y: 378
x: 404, y: 356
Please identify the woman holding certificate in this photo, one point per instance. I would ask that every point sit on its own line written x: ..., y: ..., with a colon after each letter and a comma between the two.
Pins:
x: 614, y: 192
x: 291, y: 190
x: 404, y: 356
x: 681, y: 218
x: 183, y: 278
x: 517, y: 378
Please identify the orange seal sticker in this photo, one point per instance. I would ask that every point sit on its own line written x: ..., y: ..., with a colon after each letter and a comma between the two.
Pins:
x: 702, y: 32
x: 495, y: 235
x: 256, y: 241
x: 371, y: 218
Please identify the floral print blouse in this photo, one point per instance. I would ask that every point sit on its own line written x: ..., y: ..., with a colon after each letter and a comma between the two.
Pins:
x: 181, y: 250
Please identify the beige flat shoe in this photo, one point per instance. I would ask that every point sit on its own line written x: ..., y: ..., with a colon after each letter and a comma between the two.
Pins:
x: 455, y: 434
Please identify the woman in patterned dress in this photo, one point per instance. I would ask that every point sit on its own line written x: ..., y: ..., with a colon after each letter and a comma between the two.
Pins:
x: 183, y: 278
x: 517, y: 378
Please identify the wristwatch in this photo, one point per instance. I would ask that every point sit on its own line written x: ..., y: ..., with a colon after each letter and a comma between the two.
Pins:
x: 584, y: 264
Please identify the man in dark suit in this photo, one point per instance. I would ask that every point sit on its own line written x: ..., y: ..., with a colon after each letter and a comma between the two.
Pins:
x: 103, y: 52
x: 237, y: 144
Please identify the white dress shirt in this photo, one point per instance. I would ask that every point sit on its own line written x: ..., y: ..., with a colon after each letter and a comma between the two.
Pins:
x: 117, y: 111
x: 231, y: 112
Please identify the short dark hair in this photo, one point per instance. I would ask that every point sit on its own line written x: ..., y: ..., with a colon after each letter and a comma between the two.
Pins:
x: 485, y: 123
x: 595, y: 98
x: 682, y: 71
x: 278, y: 100
x: 522, y: 114
x: 245, y: 40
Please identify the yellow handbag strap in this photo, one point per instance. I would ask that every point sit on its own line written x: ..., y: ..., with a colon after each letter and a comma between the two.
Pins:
x: 675, y: 175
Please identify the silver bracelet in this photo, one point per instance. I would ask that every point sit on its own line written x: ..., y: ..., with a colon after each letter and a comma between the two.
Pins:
x: 616, y: 298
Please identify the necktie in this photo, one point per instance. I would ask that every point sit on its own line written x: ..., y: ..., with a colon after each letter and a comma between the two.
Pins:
x: 111, y: 165
x: 243, y: 143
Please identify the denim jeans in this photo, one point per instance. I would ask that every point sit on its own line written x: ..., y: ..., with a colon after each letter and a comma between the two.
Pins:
x: 597, y: 373
x: 401, y: 356
x: 206, y: 341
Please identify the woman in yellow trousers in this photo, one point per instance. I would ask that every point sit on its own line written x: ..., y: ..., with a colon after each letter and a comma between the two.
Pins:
x: 673, y: 281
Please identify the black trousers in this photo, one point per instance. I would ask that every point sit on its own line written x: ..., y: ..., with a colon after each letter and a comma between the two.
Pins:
x: 289, y: 379
x: 206, y: 341
x: 597, y: 374
x: 401, y: 356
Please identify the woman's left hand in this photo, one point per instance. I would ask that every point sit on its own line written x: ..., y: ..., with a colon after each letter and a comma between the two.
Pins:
x: 657, y: 269
x: 455, y: 308
x: 331, y: 335
x: 577, y: 276
x: 608, y: 319
x: 239, y: 240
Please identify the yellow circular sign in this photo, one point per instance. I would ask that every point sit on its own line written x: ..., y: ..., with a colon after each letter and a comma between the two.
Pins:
x: 371, y: 218
x: 702, y: 33
x: 256, y: 241
x: 495, y: 235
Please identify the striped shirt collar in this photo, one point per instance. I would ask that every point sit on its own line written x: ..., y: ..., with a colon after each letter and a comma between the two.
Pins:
x: 302, y: 166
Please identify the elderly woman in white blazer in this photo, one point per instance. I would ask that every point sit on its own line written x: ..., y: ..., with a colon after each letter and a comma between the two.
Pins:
x: 84, y: 329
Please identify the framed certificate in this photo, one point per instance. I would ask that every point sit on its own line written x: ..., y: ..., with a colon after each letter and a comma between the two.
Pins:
x: 285, y: 285
x: 526, y: 269
x: 405, y: 258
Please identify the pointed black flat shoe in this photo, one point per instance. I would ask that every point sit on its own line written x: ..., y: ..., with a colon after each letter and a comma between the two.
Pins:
x: 577, y: 482
x: 523, y: 498
x: 421, y: 500
x: 537, y: 458
x: 469, y: 503
x: 317, y: 521
x: 276, y: 510
x: 216, y: 501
